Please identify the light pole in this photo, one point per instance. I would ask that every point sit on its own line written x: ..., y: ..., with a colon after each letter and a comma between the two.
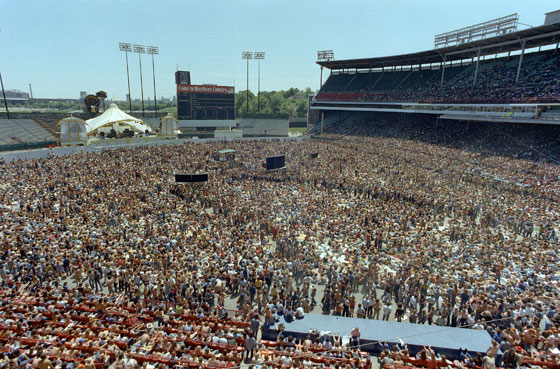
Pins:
x: 323, y: 56
x: 141, y: 49
x: 154, y: 50
x: 4, y: 93
x: 126, y: 47
x: 247, y: 55
x: 259, y: 55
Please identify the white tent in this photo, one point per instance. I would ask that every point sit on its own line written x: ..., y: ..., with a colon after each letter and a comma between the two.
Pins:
x: 168, y: 126
x: 115, y: 116
x: 73, y: 131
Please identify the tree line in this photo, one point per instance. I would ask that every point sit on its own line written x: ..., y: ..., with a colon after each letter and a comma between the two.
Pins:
x: 291, y: 102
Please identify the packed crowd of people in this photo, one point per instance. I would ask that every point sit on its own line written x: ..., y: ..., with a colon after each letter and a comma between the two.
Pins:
x: 107, y: 262
x: 496, y: 82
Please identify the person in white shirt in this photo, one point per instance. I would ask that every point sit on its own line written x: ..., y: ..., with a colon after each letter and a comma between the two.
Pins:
x: 279, y: 308
x: 222, y: 340
x: 286, y: 361
x: 478, y: 325
x: 387, y: 311
x: 129, y: 362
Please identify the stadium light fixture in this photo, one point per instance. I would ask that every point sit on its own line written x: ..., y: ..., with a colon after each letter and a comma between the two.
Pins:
x: 141, y: 49
x: 126, y: 47
x: 153, y: 50
x: 259, y: 55
x: 324, y: 56
x: 247, y: 55
x: 491, y: 28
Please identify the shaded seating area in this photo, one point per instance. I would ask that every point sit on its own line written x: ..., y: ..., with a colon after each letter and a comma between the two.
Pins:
x: 495, y: 82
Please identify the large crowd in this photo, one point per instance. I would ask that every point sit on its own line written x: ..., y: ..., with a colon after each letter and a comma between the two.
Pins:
x: 496, y: 82
x: 107, y: 262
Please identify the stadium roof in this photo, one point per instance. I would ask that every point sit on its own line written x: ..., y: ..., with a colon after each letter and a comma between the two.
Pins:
x: 534, y: 37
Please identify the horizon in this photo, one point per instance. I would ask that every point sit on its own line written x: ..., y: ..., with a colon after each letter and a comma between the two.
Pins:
x: 74, y: 47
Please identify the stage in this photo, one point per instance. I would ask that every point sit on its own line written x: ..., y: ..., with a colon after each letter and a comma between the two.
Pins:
x: 445, y: 340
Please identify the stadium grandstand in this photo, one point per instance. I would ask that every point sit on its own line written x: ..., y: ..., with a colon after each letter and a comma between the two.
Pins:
x: 24, y: 134
x: 512, y: 76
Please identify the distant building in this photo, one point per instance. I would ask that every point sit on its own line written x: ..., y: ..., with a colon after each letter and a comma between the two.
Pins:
x: 17, y: 94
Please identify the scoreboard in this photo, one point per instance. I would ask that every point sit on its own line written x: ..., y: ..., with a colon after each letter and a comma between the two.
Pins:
x: 202, y: 102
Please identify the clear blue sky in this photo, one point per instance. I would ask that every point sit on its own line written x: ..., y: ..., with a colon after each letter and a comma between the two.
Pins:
x: 64, y: 46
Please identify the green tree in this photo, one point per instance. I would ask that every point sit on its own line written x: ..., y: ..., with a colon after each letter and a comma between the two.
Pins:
x: 292, y: 102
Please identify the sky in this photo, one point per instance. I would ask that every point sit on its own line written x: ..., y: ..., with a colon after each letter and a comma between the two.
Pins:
x: 63, y: 47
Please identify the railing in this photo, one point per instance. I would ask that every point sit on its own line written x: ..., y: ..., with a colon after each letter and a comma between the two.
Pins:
x: 27, y: 146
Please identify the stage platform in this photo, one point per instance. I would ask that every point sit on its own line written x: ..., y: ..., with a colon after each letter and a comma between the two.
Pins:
x: 445, y: 340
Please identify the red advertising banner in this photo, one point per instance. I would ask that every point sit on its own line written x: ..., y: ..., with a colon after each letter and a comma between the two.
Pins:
x: 205, y: 89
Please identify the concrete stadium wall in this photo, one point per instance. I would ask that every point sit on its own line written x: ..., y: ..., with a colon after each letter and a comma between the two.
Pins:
x: 264, y: 127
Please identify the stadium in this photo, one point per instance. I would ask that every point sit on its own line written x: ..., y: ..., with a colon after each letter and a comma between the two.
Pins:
x: 482, y: 73
x: 414, y: 225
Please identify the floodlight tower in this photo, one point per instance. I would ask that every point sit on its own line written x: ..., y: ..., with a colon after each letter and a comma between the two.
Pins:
x: 4, y: 93
x: 141, y: 49
x: 322, y: 56
x: 154, y: 50
x: 247, y: 55
x: 126, y: 47
x: 259, y: 55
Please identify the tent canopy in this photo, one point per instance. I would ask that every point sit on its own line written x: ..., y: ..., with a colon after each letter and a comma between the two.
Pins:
x: 168, y: 126
x: 70, y: 119
x: 115, y: 115
x: 72, y: 130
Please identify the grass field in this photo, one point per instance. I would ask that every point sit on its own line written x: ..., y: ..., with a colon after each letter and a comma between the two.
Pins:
x: 298, y: 130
